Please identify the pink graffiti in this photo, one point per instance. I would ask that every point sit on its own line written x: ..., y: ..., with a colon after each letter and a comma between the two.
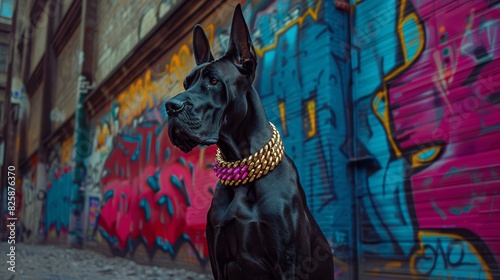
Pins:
x: 447, y: 103
x: 156, y: 193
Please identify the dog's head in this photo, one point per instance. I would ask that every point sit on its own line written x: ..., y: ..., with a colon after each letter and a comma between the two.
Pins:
x: 214, y: 90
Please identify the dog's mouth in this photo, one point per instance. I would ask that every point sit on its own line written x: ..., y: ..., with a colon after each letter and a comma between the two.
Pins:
x: 186, y: 140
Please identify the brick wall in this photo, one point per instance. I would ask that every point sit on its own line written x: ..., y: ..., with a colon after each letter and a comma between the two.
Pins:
x: 33, y: 127
x: 130, y: 139
x: 64, y: 96
x: 39, y: 37
x: 408, y: 106
x: 120, y: 26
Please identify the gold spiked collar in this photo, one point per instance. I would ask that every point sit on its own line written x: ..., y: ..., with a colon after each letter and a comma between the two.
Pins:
x: 249, y: 169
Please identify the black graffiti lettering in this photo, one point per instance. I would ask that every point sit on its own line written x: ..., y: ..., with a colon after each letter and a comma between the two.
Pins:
x: 429, y: 255
x: 452, y: 257
x: 451, y: 252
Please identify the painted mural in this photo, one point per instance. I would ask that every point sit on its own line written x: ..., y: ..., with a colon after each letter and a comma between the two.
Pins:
x: 59, y: 190
x: 426, y: 97
x: 46, y: 189
x: 307, y: 101
x: 32, y: 203
x: 154, y: 196
x: 390, y: 112
x: 151, y: 195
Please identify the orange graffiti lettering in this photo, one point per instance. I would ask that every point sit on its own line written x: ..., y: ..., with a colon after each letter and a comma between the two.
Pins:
x: 103, y: 132
x: 67, y: 151
x: 142, y: 94
x: 139, y: 97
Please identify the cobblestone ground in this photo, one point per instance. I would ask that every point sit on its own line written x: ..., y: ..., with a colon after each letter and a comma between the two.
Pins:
x: 49, y: 262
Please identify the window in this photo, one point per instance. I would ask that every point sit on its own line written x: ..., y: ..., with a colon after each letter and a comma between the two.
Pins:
x: 6, y: 8
x: 4, y: 51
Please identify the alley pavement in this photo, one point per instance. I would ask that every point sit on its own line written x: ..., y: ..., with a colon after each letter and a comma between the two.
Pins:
x: 49, y: 262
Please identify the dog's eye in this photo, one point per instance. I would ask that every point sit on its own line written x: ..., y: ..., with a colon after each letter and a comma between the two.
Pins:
x: 213, y: 81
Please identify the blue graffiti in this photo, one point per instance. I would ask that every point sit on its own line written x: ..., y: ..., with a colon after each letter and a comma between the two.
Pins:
x: 443, y: 252
x: 383, y: 194
x: 134, y: 139
x: 165, y: 200
x: 164, y: 245
x: 144, y: 204
x: 303, y: 99
x: 58, y: 203
x: 179, y: 184
x: 108, y: 195
x: 373, y: 40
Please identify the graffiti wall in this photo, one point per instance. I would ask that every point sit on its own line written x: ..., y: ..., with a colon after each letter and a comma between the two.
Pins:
x: 56, y: 217
x: 32, y: 205
x: 389, y: 110
x: 154, y: 199
x: 46, y: 189
x: 146, y: 199
x: 425, y: 96
x: 304, y: 82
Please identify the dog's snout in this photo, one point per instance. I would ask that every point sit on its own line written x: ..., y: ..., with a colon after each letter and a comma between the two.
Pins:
x: 174, y: 106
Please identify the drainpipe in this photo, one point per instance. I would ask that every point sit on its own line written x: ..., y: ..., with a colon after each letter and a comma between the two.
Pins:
x: 82, y: 142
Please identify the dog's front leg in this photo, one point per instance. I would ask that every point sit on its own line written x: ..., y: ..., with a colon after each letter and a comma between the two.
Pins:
x: 311, y: 256
x: 288, y: 269
x: 286, y: 236
x: 211, y: 250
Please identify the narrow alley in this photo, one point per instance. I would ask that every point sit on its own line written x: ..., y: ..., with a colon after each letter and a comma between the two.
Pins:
x: 50, y: 262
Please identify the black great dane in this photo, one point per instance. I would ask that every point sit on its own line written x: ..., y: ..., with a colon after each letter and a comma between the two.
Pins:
x: 258, y: 226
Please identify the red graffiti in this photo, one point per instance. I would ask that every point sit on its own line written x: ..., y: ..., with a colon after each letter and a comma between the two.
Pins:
x: 154, y: 192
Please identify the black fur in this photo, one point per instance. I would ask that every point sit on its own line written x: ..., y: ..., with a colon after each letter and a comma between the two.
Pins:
x: 263, y: 229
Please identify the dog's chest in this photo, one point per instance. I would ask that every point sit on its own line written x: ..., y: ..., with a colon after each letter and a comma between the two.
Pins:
x: 233, y: 206
x: 237, y: 222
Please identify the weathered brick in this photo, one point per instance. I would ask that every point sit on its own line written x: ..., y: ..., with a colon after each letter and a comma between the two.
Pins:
x: 64, y: 96
x: 118, y: 28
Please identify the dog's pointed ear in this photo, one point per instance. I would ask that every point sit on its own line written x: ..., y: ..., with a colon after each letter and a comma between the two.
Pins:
x: 201, y: 47
x: 240, y: 44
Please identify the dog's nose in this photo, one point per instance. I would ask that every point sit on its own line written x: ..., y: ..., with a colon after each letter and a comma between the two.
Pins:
x: 174, y: 106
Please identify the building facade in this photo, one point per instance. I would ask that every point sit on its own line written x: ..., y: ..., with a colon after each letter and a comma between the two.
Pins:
x: 5, y: 27
x: 388, y: 108
x: 5, y: 52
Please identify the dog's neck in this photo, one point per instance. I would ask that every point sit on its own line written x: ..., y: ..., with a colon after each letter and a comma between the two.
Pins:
x: 241, y: 137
